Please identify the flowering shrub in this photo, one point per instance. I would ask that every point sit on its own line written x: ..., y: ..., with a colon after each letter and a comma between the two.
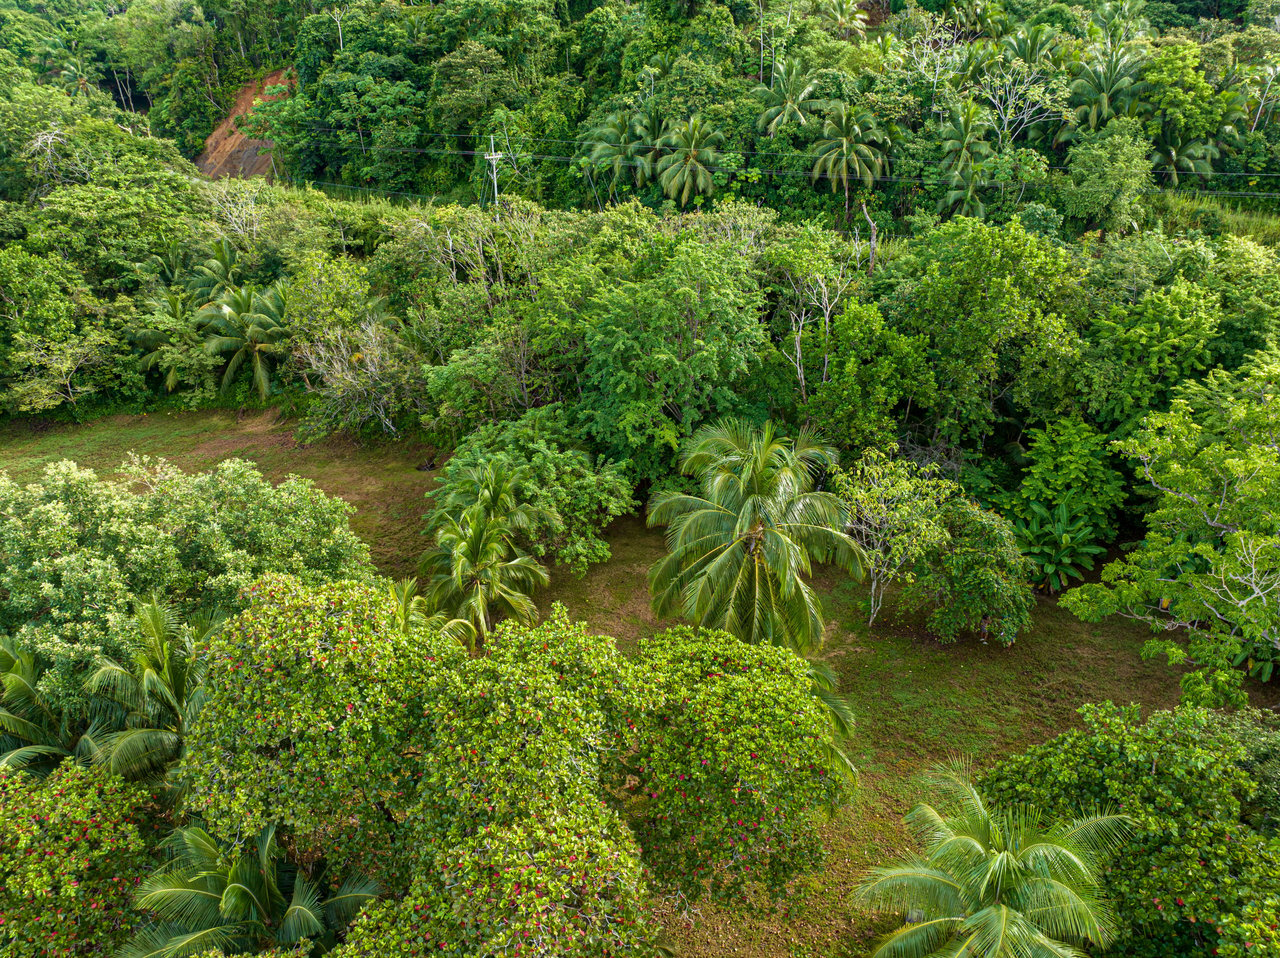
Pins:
x: 72, y: 848
x: 565, y: 884
x: 1191, y: 865
x: 506, y: 741
x: 730, y: 766
x: 587, y: 666
x: 77, y: 549
x: 314, y: 700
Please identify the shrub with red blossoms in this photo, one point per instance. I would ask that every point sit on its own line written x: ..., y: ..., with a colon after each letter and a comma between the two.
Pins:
x: 72, y: 848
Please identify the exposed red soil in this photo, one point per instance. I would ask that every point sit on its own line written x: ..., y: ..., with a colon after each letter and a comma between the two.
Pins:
x: 227, y: 151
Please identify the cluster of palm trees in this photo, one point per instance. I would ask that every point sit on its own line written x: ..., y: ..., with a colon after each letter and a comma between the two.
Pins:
x: 136, y: 713
x: 682, y: 156
x: 208, y: 308
x: 1105, y: 82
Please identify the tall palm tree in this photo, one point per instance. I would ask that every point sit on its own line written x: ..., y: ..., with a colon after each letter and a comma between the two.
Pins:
x: 1030, y: 45
x: 995, y: 882
x: 216, y: 275
x: 249, y: 326
x: 963, y: 138
x: 685, y: 170
x: 170, y: 265
x: 1106, y: 87
x: 411, y: 608
x: 650, y: 129
x: 476, y: 575
x: 614, y: 147
x: 844, y: 18
x: 788, y: 99
x: 35, y: 734
x: 497, y: 489
x: 172, y: 311
x: 964, y: 192
x: 160, y: 691
x: 739, y: 552
x: 212, y: 898
x: 853, y: 147
x: 1174, y: 155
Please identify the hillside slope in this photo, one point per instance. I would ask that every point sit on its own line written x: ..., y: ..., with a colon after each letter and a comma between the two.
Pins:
x: 227, y: 151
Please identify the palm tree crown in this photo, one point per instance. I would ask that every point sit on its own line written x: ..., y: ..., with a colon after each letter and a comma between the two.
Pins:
x: 995, y: 883
x: 35, y: 734
x: 741, y: 549
x: 852, y: 148
x: 160, y: 690
x: 475, y: 575
x: 789, y: 99
x: 250, y: 326
x: 685, y: 171
x: 236, y: 900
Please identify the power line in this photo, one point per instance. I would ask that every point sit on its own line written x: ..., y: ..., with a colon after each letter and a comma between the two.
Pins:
x: 588, y: 142
x: 877, y: 178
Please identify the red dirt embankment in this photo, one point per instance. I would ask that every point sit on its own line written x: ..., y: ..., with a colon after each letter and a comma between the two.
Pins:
x: 227, y: 151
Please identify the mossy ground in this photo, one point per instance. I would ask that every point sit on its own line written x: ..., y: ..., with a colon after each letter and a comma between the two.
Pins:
x: 917, y: 701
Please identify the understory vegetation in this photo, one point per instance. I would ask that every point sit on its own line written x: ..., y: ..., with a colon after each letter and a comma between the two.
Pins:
x: 642, y: 478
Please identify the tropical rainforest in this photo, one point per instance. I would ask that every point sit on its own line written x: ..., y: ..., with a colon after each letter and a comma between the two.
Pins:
x: 790, y: 478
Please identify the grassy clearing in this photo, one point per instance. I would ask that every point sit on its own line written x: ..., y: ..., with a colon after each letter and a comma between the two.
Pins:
x: 917, y: 701
x: 383, y: 482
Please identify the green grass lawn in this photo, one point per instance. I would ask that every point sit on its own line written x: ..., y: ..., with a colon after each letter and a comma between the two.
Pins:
x: 917, y: 701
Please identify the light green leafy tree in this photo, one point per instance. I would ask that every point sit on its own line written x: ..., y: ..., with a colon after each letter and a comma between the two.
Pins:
x: 893, y: 511
x: 1207, y: 574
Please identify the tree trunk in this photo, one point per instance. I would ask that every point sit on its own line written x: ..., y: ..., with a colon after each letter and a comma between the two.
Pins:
x: 871, y: 266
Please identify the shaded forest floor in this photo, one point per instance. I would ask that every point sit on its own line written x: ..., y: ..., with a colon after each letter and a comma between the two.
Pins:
x: 917, y: 701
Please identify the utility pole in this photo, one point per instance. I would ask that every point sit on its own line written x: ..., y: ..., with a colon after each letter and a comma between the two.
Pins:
x: 493, y: 157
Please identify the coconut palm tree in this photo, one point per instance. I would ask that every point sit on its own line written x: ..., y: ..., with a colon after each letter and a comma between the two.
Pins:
x: 175, y: 325
x: 168, y: 266
x: 249, y: 326
x: 476, y: 575
x: 964, y: 192
x: 685, y: 170
x: 995, y: 882
x: 213, y: 898
x: 35, y: 735
x: 740, y: 550
x: 160, y: 691
x: 853, y: 147
x: 1032, y: 44
x: 844, y: 18
x: 497, y: 489
x: 614, y: 146
x: 1174, y: 154
x: 788, y: 99
x: 411, y: 608
x: 1106, y: 87
x: 650, y: 129
x: 216, y: 275
x: 963, y: 138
